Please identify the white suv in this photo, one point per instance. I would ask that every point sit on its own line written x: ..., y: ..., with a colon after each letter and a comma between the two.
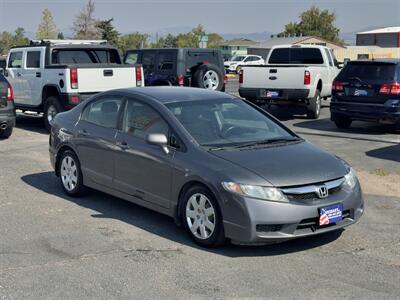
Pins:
x: 237, y: 61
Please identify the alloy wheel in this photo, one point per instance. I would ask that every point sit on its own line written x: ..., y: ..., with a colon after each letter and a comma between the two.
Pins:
x: 69, y: 173
x: 200, y: 216
x: 211, y: 80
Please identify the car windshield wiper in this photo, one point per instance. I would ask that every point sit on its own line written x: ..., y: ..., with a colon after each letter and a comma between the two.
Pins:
x: 269, y: 142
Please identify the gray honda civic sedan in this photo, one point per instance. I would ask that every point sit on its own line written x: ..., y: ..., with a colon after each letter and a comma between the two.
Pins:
x: 217, y: 164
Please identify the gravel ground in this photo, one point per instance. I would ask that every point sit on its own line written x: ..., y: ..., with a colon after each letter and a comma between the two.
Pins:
x: 101, y: 247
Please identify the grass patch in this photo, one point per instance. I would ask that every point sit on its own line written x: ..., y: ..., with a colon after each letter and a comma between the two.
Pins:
x: 380, y: 172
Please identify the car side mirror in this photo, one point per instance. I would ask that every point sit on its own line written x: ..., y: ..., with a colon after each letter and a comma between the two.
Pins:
x: 159, y: 139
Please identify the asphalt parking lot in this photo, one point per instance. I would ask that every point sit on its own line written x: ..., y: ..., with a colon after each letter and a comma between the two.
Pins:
x: 101, y: 247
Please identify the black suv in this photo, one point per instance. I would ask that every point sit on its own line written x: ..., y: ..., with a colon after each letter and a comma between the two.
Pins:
x: 367, y: 91
x: 7, y: 108
x: 195, y: 67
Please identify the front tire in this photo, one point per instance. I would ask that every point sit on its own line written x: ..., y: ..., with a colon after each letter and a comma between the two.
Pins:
x: 314, y: 108
x: 202, y: 218
x: 52, y: 107
x: 71, y: 174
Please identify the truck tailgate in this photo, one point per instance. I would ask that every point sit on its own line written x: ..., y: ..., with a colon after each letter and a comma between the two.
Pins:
x: 274, y: 77
x: 102, y: 79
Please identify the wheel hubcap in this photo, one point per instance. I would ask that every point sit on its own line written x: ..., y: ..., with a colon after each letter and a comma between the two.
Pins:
x: 51, y: 113
x: 211, y: 80
x: 69, y: 174
x: 200, y: 216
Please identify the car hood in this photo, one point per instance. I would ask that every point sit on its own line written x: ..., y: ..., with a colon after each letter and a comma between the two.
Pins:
x: 287, y: 165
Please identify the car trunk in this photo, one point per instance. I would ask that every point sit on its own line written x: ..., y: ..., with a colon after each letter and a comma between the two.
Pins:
x: 365, y: 82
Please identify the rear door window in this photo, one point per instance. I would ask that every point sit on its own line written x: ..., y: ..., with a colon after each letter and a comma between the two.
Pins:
x: 103, y: 112
x: 33, y: 59
x: 369, y: 71
x: 166, y: 62
x: 15, y: 60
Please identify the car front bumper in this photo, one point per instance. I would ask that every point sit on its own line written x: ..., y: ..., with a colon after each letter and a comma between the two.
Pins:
x: 253, y: 221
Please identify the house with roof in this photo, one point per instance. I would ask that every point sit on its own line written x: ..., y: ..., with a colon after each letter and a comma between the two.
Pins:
x: 263, y: 48
x: 235, y: 47
x: 388, y: 37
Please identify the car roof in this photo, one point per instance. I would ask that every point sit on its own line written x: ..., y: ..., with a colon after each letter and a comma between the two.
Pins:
x: 379, y: 60
x: 176, y: 49
x: 167, y: 94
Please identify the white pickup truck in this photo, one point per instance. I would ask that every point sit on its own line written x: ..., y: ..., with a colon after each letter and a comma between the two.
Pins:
x: 55, y: 75
x: 294, y: 75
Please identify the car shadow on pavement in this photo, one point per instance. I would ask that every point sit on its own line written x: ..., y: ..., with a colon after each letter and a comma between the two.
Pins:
x: 110, y: 207
x: 289, y: 112
x: 357, y: 127
x: 31, y: 123
x: 387, y: 153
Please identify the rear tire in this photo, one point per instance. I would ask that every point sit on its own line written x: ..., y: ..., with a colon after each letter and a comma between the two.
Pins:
x: 341, y: 122
x: 5, y: 134
x: 69, y: 169
x: 208, y: 77
x: 202, y: 218
x: 314, y: 108
x: 52, y: 107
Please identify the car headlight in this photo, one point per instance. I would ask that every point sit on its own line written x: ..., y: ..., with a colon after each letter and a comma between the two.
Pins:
x: 255, y: 191
x: 350, y: 180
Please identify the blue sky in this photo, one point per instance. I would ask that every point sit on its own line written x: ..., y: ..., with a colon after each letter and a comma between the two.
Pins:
x: 223, y: 16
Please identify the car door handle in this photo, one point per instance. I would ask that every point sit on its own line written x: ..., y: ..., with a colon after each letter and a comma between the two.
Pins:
x: 123, y: 145
x: 38, y: 74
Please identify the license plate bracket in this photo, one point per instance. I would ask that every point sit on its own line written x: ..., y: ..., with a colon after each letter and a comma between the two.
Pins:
x: 269, y: 94
x: 330, y: 214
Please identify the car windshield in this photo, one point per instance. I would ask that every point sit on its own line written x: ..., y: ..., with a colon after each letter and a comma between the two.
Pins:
x: 237, y: 58
x: 227, y: 122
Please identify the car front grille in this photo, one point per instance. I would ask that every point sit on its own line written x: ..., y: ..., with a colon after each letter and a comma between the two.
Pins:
x: 309, y: 192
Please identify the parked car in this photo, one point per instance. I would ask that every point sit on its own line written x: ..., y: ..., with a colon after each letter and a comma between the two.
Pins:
x: 236, y: 63
x: 7, y: 109
x: 2, y: 64
x: 192, y: 67
x: 55, y: 75
x: 367, y: 91
x: 219, y: 165
x: 294, y: 75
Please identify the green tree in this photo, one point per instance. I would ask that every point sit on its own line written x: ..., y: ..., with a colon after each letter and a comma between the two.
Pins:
x: 8, y: 40
x: 315, y: 22
x: 107, y: 31
x: 47, y: 28
x: 135, y: 40
x: 84, y: 26
x: 190, y: 39
x: 214, y: 40
x: 169, y: 41
x: 60, y: 36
